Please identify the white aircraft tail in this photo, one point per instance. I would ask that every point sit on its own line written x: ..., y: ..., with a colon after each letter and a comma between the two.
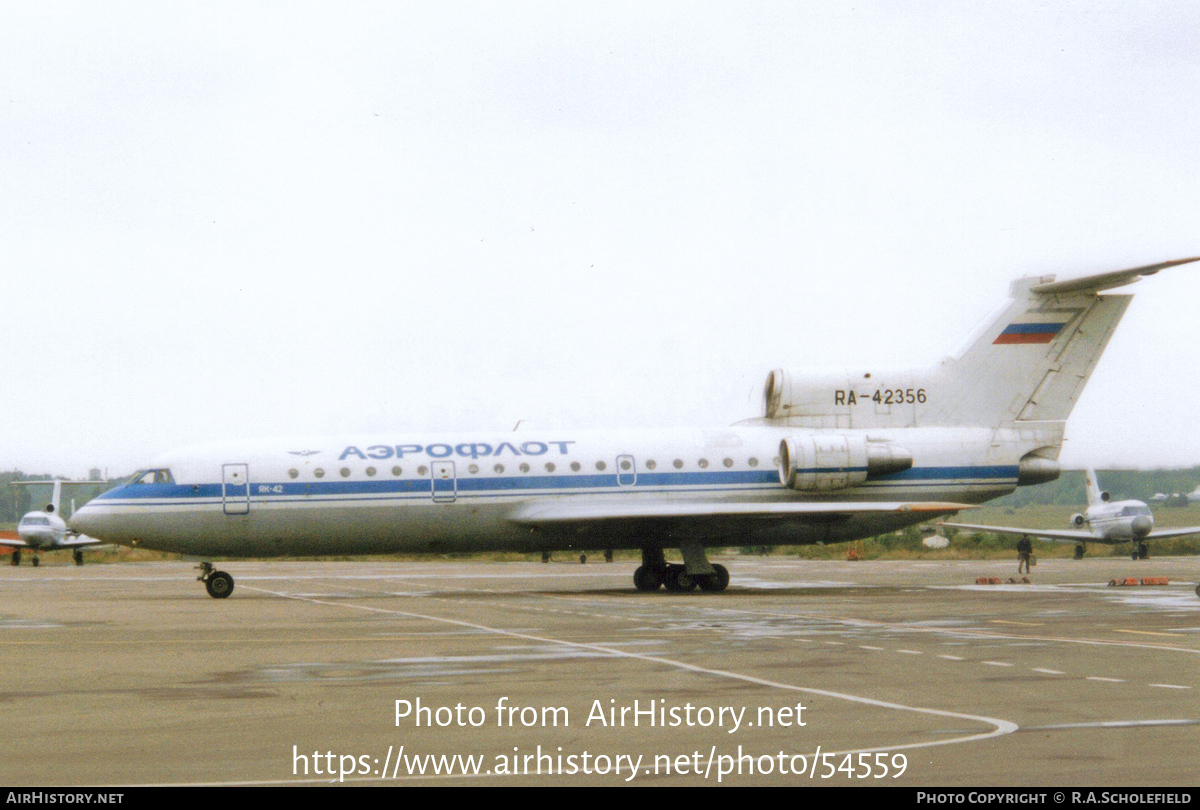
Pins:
x: 1030, y: 362
x: 1095, y: 495
x: 1024, y: 367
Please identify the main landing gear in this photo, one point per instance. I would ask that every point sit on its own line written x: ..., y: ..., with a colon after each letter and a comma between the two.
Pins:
x: 218, y: 583
x: 696, y: 572
x: 16, y: 556
x: 1141, y: 552
x: 77, y: 557
x: 1079, y: 551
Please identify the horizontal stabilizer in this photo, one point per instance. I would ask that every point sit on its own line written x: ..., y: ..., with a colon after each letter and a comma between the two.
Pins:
x: 561, y: 513
x: 1106, y: 281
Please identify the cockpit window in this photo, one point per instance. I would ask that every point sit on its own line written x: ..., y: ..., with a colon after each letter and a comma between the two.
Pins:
x: 35, y: 520
x: 1131, y: 511
x: 152, y: 477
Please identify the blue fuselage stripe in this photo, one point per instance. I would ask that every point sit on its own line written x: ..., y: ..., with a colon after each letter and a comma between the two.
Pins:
x: 493, y: 486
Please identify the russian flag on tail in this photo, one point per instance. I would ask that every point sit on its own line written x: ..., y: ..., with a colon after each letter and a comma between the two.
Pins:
x: 1029, y: 333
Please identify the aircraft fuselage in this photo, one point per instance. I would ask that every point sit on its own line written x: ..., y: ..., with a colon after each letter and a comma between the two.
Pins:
x: 439, y: 493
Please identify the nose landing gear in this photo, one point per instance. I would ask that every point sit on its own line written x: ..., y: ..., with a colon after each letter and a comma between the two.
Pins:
x: 218, y: 584
x: 1141, y: 552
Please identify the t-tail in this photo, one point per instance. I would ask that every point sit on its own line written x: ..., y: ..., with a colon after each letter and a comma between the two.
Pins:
x: 1025, y: 367
x: 1015, y: 379
x: 1095, y: 495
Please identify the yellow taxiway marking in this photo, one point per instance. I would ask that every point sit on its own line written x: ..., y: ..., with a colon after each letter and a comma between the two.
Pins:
x: 1149, y: 633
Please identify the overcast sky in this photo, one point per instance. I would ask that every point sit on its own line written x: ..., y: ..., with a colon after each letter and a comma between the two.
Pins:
x: 251, y: 219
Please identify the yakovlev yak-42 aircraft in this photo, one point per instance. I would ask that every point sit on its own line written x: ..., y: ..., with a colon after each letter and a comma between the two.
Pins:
x: 1106, y: 521
x: 832, y: 458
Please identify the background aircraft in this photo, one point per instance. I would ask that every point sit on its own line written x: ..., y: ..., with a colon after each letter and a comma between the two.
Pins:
x: 1177, y: 499
x: 832, y: 458
x: 1103, y: 521
x: 45, y: 529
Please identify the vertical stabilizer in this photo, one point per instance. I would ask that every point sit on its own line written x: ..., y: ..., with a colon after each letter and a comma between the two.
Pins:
x: 1095, y: 495
x: 1031, y: 362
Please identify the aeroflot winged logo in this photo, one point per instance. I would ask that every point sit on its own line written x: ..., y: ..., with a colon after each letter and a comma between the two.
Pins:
x: 1029, y: 333
x: 468, y: 450
x: 304, y: 453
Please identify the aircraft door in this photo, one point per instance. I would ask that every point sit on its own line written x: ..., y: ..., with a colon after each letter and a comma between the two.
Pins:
x: 445, y: 485
x: 626, y: 471
x: 235, y: 488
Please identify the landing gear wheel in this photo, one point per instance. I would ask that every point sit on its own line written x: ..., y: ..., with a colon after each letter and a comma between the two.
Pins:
x: 646, y: 578
x: 608, y: 555
x: 1079, y: 551
x: 35, y: 561
x: 715, y: 582
x: 219, y: 584
x: 1143, y: 551
x: 583, y: 559
x: 16, y: 557
x: 1133, y: 555
x: 545, y: 556
x: 78, y: 557
x: 679, y: 580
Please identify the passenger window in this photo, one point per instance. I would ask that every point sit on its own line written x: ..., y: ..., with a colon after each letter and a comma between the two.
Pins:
x: 371, y: 472
x: 678, y: 464
x: 396, y: 471
x: 651, y: 464
x: 575, y: 466
x: 318, y: 473
x: 499, y: 468
x: 345, y: 471
x: 703, y: 463
x: 550, y: 466
x: 293, y: 473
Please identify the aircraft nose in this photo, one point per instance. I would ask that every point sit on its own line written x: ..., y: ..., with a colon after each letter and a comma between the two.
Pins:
x: 85, y: 521
x: 1142, y: 524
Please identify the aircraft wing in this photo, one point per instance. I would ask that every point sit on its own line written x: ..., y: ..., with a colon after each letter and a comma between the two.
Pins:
x: 1162, y: 533
x: 1057, y: 535
x: 12, y: 542
x: 540, y: 513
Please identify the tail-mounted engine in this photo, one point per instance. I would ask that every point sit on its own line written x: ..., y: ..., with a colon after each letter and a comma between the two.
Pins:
x: 821, y: 463
x: 1078, y: 520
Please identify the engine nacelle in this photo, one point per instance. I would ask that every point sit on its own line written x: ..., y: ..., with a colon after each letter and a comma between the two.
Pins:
x: 1078, y: 520
x: 826, y: 462
x: 1036, y: 469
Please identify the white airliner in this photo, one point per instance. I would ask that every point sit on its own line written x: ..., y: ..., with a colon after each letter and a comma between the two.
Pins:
x: 1107, y: 521
x: 832, y: 458
x: 44, y: 530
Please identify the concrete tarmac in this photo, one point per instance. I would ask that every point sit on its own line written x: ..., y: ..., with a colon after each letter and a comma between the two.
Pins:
x: 130, y: 674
